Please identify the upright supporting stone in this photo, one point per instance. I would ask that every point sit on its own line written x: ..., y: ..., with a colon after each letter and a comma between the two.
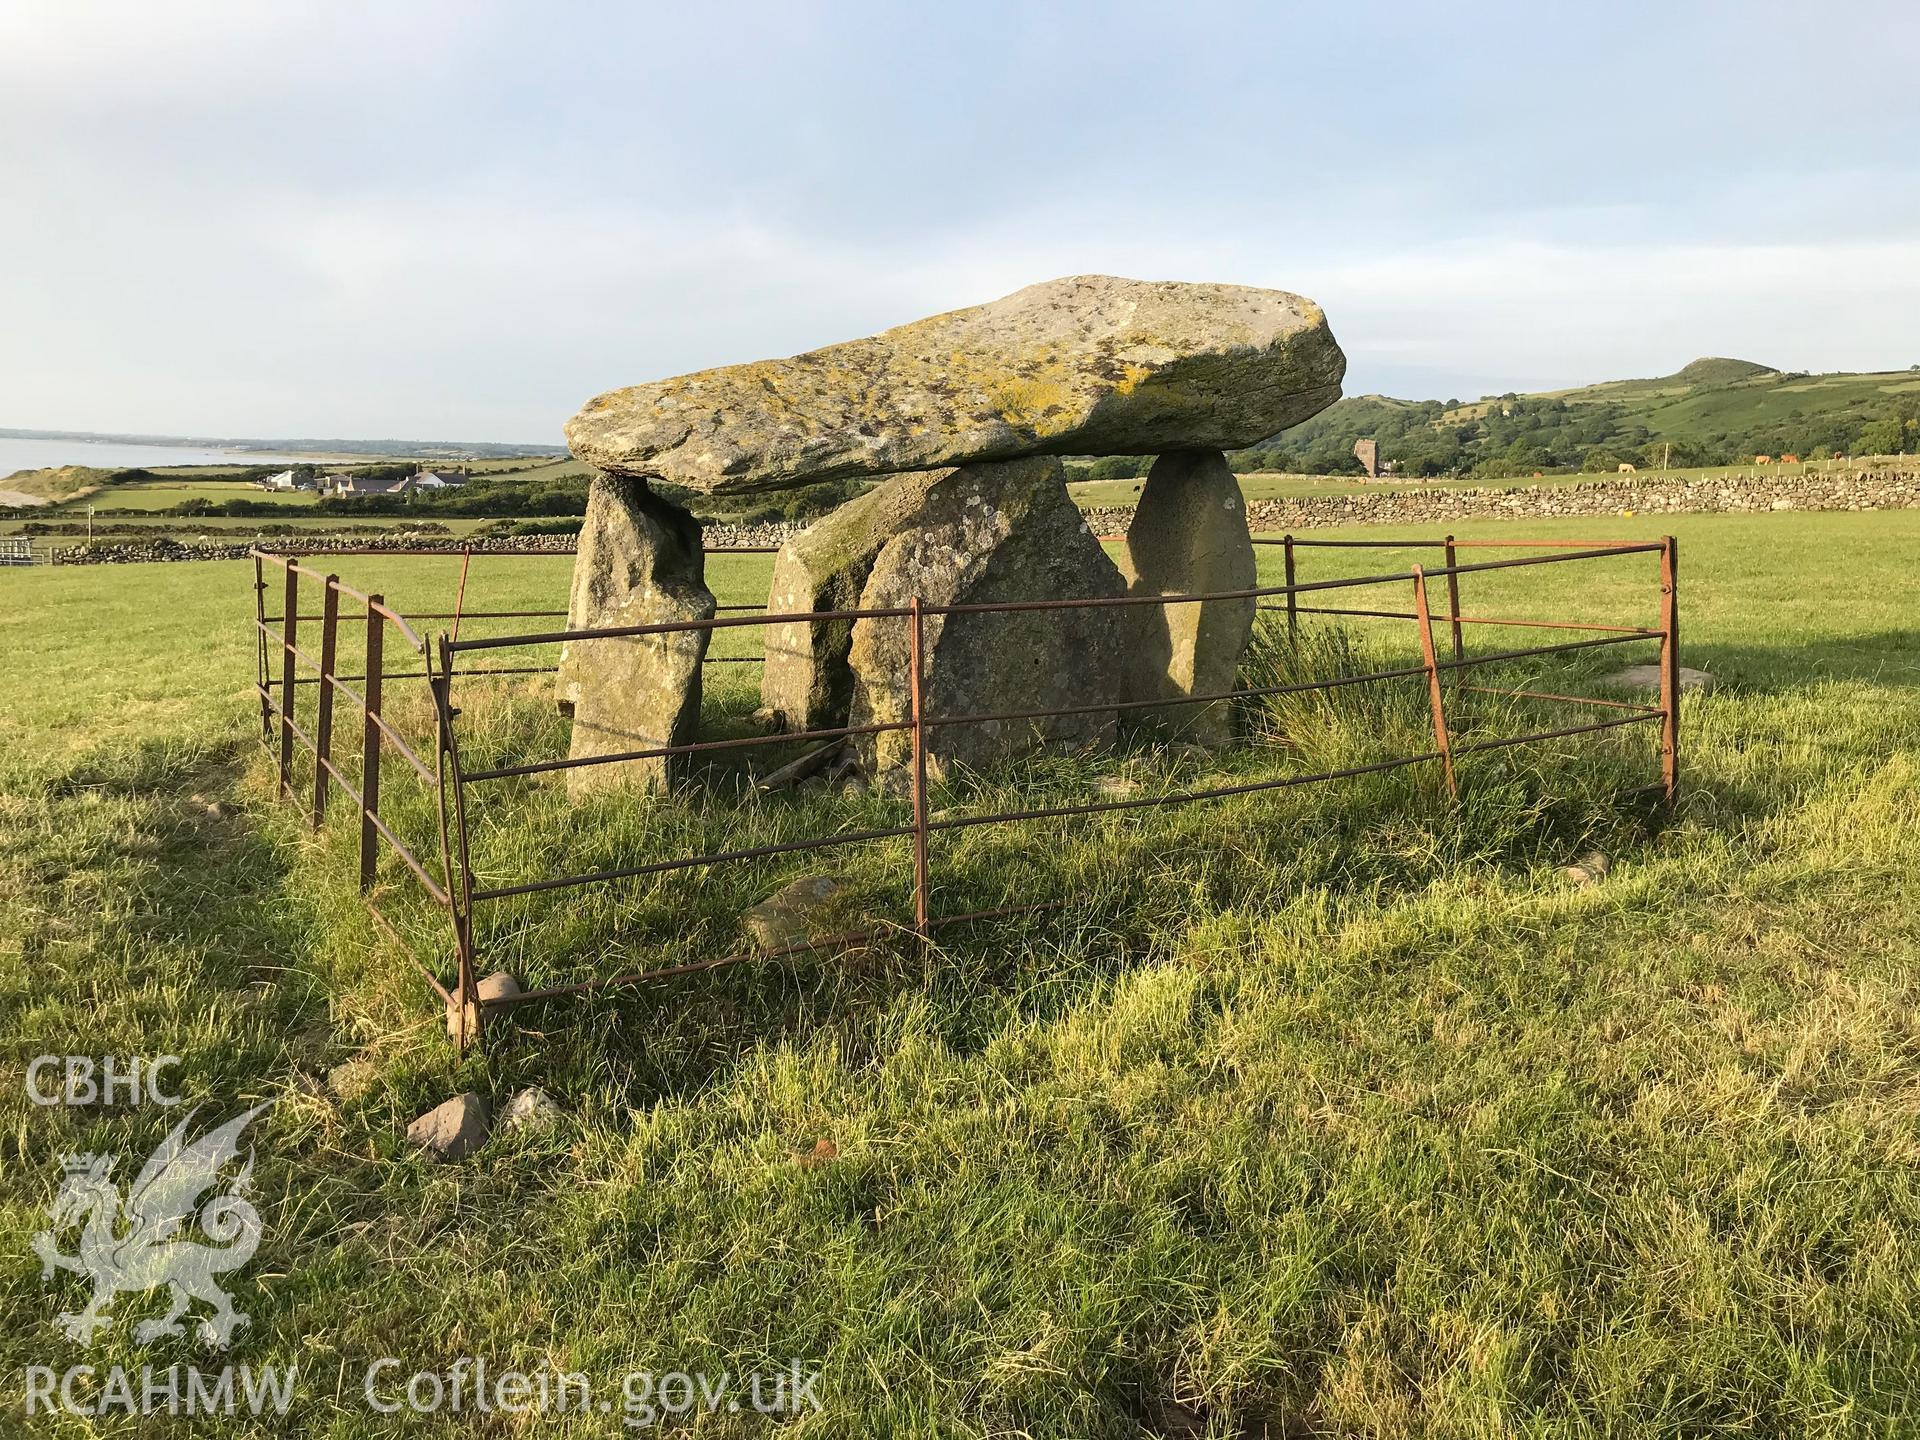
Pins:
x: 986, y: 533
x: 640, y: 563
x: 1189, y: 537
x: 806, y: 683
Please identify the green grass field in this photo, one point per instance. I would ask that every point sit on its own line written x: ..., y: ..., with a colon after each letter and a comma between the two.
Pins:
x: 1328, y: 1111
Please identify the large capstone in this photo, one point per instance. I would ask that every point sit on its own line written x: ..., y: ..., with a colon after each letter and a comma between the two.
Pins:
x: 1087, y: 365
x: 806, y: 683
x: 1189, y: 537
x: 986, y: 534
x: 639, y: 563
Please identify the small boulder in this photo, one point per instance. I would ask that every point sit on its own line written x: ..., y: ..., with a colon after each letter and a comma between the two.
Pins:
x: 797, y: 914
x: 353, y: 1079
x: 452, y: 1130
x: 1590, y: 869
x: 497, y: 986
x: 532, y: 1109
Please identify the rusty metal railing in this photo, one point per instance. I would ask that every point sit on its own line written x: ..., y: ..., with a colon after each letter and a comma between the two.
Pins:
x: 441, y: 668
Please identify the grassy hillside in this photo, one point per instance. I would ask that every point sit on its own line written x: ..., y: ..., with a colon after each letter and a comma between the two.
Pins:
x: 1320, y: 1112
x: 1711, y: 412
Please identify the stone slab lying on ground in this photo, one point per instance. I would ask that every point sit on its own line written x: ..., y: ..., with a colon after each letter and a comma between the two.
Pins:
x: 1647, y: 677
x: 1189, y: 537
x: 989, y: 533
x: 1086, y: 365
x: 640, y: 563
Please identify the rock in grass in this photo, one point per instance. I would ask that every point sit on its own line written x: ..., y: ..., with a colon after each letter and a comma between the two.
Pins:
x: 987, y: 534
x: 497, y: 986
x: 640, y: 563
x: 796, y: 914
x: 532, y: 1109
x: 1189, y: 537
x: 353, y: 1079
x: 452, y: 1130
x: 1647, y: 677
x: 1590, y: 869
x: 1086, y: 365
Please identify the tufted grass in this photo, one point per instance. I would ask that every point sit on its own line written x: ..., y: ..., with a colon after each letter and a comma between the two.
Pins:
x: 1325, y: 1111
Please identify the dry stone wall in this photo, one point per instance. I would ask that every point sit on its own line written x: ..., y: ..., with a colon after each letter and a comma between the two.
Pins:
x: 1644, y: 495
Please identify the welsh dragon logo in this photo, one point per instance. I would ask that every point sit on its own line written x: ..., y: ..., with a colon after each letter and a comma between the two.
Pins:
x: 134, y: 1244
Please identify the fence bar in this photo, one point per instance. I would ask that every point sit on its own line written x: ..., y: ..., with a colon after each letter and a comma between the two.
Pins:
x: 1670, y: 668
x: 858, y: 937
x: 260, y: 646
x: 1440, y: 739
x: 286, y: 682
x: 370, y: 752
x: 323, y: 725
x: 1453, y: 599
x: 1627, y: 545
x: 660, y: 867
x: 1293, y: 603
x: 1563, y: 699
x: 921, y: 886
x: 1566, y: 730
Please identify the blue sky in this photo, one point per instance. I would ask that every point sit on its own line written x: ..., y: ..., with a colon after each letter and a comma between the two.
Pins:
x: 461, y: 220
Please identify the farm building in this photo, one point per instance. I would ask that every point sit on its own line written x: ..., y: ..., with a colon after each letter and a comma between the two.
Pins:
x: 435, y: 480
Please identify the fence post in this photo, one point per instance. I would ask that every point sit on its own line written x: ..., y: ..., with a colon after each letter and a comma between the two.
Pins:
x: 470, y: 1016
x: 370, y: 745
x: 1440, y: 738
x: 920, y: 881
x: 260, y: 649
x: 288, y: 621
x: 1453, y: 604
x: 1293, y: 611
x: 323, y: 721
x: 1670, y: 667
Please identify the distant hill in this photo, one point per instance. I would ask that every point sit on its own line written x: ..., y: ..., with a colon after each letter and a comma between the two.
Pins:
x: 1713, y: 411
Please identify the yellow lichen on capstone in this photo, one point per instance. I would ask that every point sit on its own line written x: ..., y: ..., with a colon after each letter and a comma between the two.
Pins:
x: 1086, y: 365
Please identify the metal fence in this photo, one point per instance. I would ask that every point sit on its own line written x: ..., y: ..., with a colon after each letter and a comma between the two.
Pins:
x: 447, y: 662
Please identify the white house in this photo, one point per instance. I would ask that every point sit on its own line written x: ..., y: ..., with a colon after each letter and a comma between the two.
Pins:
x: 285, y: 480
x: 436, y: 479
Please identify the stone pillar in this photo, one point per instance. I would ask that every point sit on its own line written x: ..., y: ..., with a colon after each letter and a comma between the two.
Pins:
x: 985, y: 533
x: 806, y: 684
x: 640, y: 563
x: 1189, y: 537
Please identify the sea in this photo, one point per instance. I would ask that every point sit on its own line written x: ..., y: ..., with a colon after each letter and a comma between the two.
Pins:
x: 37, y: 454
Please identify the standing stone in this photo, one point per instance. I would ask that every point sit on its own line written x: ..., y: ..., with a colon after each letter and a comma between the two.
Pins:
x: 640, y: 563
x: 1085, y: 365
x: 989, y: 533
x: 806, y: 682
x: 1189, y: 537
